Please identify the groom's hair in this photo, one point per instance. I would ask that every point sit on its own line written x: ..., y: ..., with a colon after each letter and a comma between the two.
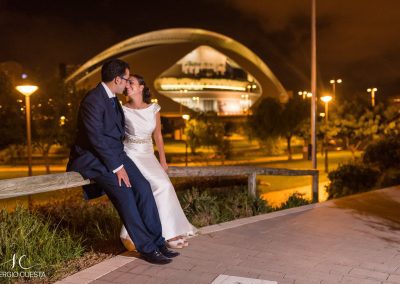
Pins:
x: 113, y: 68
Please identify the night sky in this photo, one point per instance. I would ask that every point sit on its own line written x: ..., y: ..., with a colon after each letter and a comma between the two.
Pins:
x: 358, y: 40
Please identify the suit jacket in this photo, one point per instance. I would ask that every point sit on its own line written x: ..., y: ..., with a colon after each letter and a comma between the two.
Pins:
x: 98, y: 147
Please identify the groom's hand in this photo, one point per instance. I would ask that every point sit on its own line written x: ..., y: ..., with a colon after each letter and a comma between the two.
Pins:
x: 123, y: 176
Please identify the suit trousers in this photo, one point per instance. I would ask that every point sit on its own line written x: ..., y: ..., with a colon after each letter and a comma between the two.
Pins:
x: 136, y: 207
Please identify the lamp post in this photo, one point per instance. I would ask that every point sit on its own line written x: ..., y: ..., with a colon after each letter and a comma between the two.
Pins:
x: 303, y: 94
x: 313, y: 145
x: 326, y: 100
x: 186, y: 117
x: 372, y: 91
x: 334, y: 82
x: 27, y: 91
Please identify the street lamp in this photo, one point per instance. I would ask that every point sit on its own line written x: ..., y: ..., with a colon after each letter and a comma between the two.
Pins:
x: 326, y: 100
x: 333, y: 82
x: 305, y: 94
x: 186, y: 117
x: 372, y: 91
x: 27, y: 91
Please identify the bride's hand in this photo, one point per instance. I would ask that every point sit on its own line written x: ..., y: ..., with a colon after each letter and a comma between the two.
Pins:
x: 164, y: 166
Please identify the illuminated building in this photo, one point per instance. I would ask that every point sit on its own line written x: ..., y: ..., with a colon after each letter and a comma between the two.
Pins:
x: 190, y: 68
x: 207, y: 80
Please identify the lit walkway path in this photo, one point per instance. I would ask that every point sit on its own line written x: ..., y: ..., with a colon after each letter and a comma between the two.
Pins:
x: 350, y: 240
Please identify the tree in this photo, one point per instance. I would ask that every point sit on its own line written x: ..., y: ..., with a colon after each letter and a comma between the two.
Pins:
x: 12, y: 126
x: 54, y: 118
x: 215, y: 136
x: 357, y: 125
x: 391, y: 127
x: 207, y: 130
x: 294, y: 120
x: 272, y: 119
x: 194, y: 134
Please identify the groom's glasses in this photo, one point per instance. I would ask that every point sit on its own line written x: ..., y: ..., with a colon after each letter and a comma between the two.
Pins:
x: 127, y: 80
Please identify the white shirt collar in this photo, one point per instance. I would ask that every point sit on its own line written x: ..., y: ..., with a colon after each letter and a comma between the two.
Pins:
x: 108, y: 91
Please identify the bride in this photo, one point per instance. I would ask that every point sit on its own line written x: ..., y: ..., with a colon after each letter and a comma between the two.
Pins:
x: 142, y: 120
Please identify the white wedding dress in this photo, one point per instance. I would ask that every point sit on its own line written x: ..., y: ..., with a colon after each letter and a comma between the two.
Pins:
x: 138, y: 144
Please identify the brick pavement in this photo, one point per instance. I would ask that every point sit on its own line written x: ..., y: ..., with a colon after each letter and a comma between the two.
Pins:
x: 350, y: 240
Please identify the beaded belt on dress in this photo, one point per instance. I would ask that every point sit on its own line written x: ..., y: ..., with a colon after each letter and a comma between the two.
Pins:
x: 136, y: 140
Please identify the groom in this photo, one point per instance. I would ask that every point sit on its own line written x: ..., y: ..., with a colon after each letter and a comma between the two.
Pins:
x: 98, y: 154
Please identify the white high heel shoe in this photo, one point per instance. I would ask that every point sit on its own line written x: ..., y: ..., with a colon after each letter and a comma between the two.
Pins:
x: 178, y: 244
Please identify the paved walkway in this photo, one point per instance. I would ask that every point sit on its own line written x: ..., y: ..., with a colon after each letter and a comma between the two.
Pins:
x: 350, y: 240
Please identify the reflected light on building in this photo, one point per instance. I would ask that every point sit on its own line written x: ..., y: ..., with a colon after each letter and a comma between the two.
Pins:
x: 207, y: 80
x: 231, y: 107
x: 199, y: 87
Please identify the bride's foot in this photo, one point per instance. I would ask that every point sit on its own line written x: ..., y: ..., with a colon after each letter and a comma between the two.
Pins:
x: 182, y: 239
x: 175, y: 243
x: 185, y: 242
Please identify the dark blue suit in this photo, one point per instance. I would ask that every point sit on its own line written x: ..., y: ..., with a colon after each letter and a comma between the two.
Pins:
x: 98, y: 150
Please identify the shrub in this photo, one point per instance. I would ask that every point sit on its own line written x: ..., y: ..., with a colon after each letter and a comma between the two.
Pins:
x: 200, y: 208
x: 215, y: 205
x: 295, y: 200
x: 350, y: 179
x: 384, y: 153
x: 389, y: 177
x: 96, y: 222
x: 260, y: 206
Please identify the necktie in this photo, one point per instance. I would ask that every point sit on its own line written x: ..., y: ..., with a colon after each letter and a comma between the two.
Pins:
x: 114, y: 102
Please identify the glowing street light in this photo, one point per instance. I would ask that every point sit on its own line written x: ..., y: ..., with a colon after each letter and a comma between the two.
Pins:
x: 372, y: 91
x: 305, y: 94
x: 27, y: 91
x: 326, y: 100
x: 334, y: 82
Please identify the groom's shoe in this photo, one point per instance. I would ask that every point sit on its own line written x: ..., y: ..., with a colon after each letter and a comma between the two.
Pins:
x: 155, y: 257
x: 168, y: 253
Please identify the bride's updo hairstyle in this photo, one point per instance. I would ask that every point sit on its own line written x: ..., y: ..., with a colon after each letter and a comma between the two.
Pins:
x: 146, y: 91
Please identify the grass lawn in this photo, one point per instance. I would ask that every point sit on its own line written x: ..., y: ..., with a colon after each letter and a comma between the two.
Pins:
x: 274, y: 183
x: 245, y: 153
